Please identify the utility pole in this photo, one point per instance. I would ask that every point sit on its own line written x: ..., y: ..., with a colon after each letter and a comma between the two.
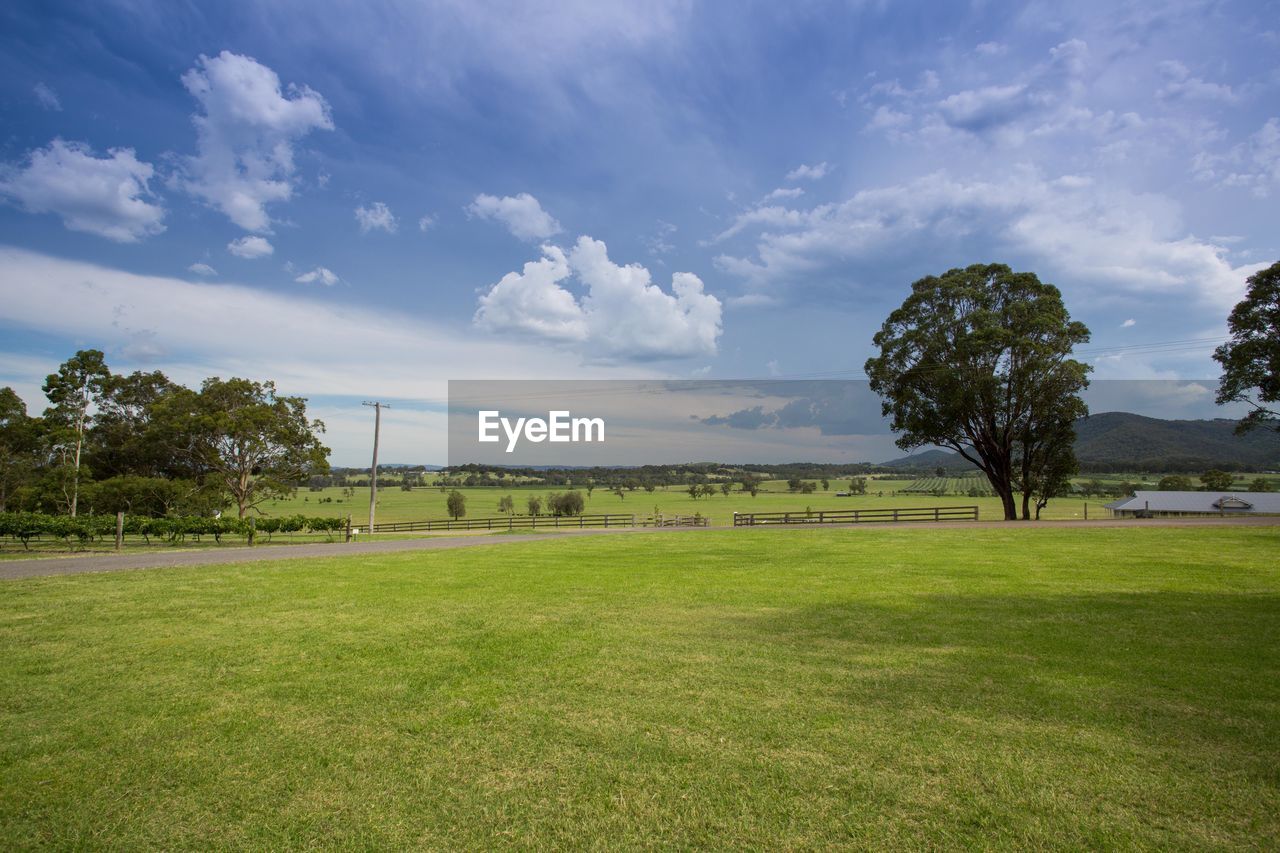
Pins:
x: 373, y: 470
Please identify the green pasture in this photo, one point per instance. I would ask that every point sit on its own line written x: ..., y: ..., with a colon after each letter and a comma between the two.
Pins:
x: 764, y: 689
x: 482, y: 502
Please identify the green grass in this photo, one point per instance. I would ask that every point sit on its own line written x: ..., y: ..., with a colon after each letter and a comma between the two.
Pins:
x: 429, y: 503
x: 756, y: 688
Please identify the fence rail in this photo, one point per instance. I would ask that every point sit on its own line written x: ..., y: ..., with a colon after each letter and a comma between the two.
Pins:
x: 857, y: 516
x: 518, y: 522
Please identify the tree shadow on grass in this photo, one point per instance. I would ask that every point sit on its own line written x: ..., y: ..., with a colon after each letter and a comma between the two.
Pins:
x: 1168, y: 665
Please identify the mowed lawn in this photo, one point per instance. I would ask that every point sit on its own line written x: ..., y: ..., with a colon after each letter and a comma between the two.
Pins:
x: 756, y: 688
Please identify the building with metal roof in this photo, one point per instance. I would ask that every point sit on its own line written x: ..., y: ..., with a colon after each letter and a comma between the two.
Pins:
x: 1161, y: 504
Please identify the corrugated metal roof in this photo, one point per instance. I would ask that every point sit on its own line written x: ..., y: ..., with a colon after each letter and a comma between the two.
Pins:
x: 1196, y: 502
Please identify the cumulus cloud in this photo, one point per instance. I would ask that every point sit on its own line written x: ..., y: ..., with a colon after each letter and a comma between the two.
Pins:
x: 1102, y: 239
x: 622, y: 315
x: 1129, y: 324
x: 250, y: 247
x: 427, y: 222
x: 201, y: 268
x: 245, y: 135
x: 319, y: 275
x: 808, y: 173
x: 376, y: 216
x: 108, y: 196
x: 47, y: 97
x: 521, y: 214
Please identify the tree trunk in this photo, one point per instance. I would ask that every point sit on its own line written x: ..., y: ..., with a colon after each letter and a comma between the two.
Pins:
x: 1026, y: 506
x: 75, y: 478
x: 1010, y: 506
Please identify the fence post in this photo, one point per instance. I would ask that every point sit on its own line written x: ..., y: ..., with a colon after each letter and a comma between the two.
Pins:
x: 348, y: 530
x: 253, y: 529
x: 1086, y: 510
x: 119, y: 530
x: 633, y: 519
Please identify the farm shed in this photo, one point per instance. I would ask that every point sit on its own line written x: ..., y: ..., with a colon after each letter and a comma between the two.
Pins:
x: 1164, y: 504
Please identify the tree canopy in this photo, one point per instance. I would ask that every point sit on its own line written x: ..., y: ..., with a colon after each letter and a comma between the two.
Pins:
x: 1251, y: 358
x: 257, y: 444
x: 142, y: 444
x: 978, y: 360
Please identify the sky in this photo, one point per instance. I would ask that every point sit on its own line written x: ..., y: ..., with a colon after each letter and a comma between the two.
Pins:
x: 363, y: 200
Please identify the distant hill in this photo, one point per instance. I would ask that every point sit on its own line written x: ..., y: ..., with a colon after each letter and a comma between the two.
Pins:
x: 1121, y: 441
x: 929, y: 460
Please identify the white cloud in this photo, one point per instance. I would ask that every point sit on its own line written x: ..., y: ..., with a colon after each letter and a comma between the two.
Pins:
x: 622, y: 315
x: 887, y: 119
x: 107, y: 196
x: 784, y: 192
x: 771, y: 216
x: 246, y: 131
x: 327, y: 348
x: 533, y: 301
x: 250, y: 247
x: 660, y: 242
x: 1103, y: 240
x: 808, y: 173
x: 319, y: 275
x: 1181, y: 85
x: 201, y: 268
x: 427, y: 222
x: 376, y: 216
x: 1252, y: 165
x: 47, y: 97
x: 1040, y: 101
x: 1129, y: 324
x: 522, y: 214
x: 979, y: 109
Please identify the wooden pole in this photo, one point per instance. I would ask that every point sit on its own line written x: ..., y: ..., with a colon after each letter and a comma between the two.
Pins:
x: 119, y: 530
x: 373, y: 469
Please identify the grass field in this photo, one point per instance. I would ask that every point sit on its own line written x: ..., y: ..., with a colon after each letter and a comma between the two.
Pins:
x: 482, y: 502
x: 756, y: 688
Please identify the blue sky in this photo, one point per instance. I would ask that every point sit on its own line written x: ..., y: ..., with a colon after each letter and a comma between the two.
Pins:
x: 363, y: 200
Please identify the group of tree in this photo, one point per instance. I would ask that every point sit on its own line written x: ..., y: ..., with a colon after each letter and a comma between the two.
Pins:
x: 145, y: 445
x: 1210, y: 481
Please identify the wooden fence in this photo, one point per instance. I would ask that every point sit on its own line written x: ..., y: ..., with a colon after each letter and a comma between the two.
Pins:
x: 517, y: 522
x: 857, y: 516
x: 675, y: 521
